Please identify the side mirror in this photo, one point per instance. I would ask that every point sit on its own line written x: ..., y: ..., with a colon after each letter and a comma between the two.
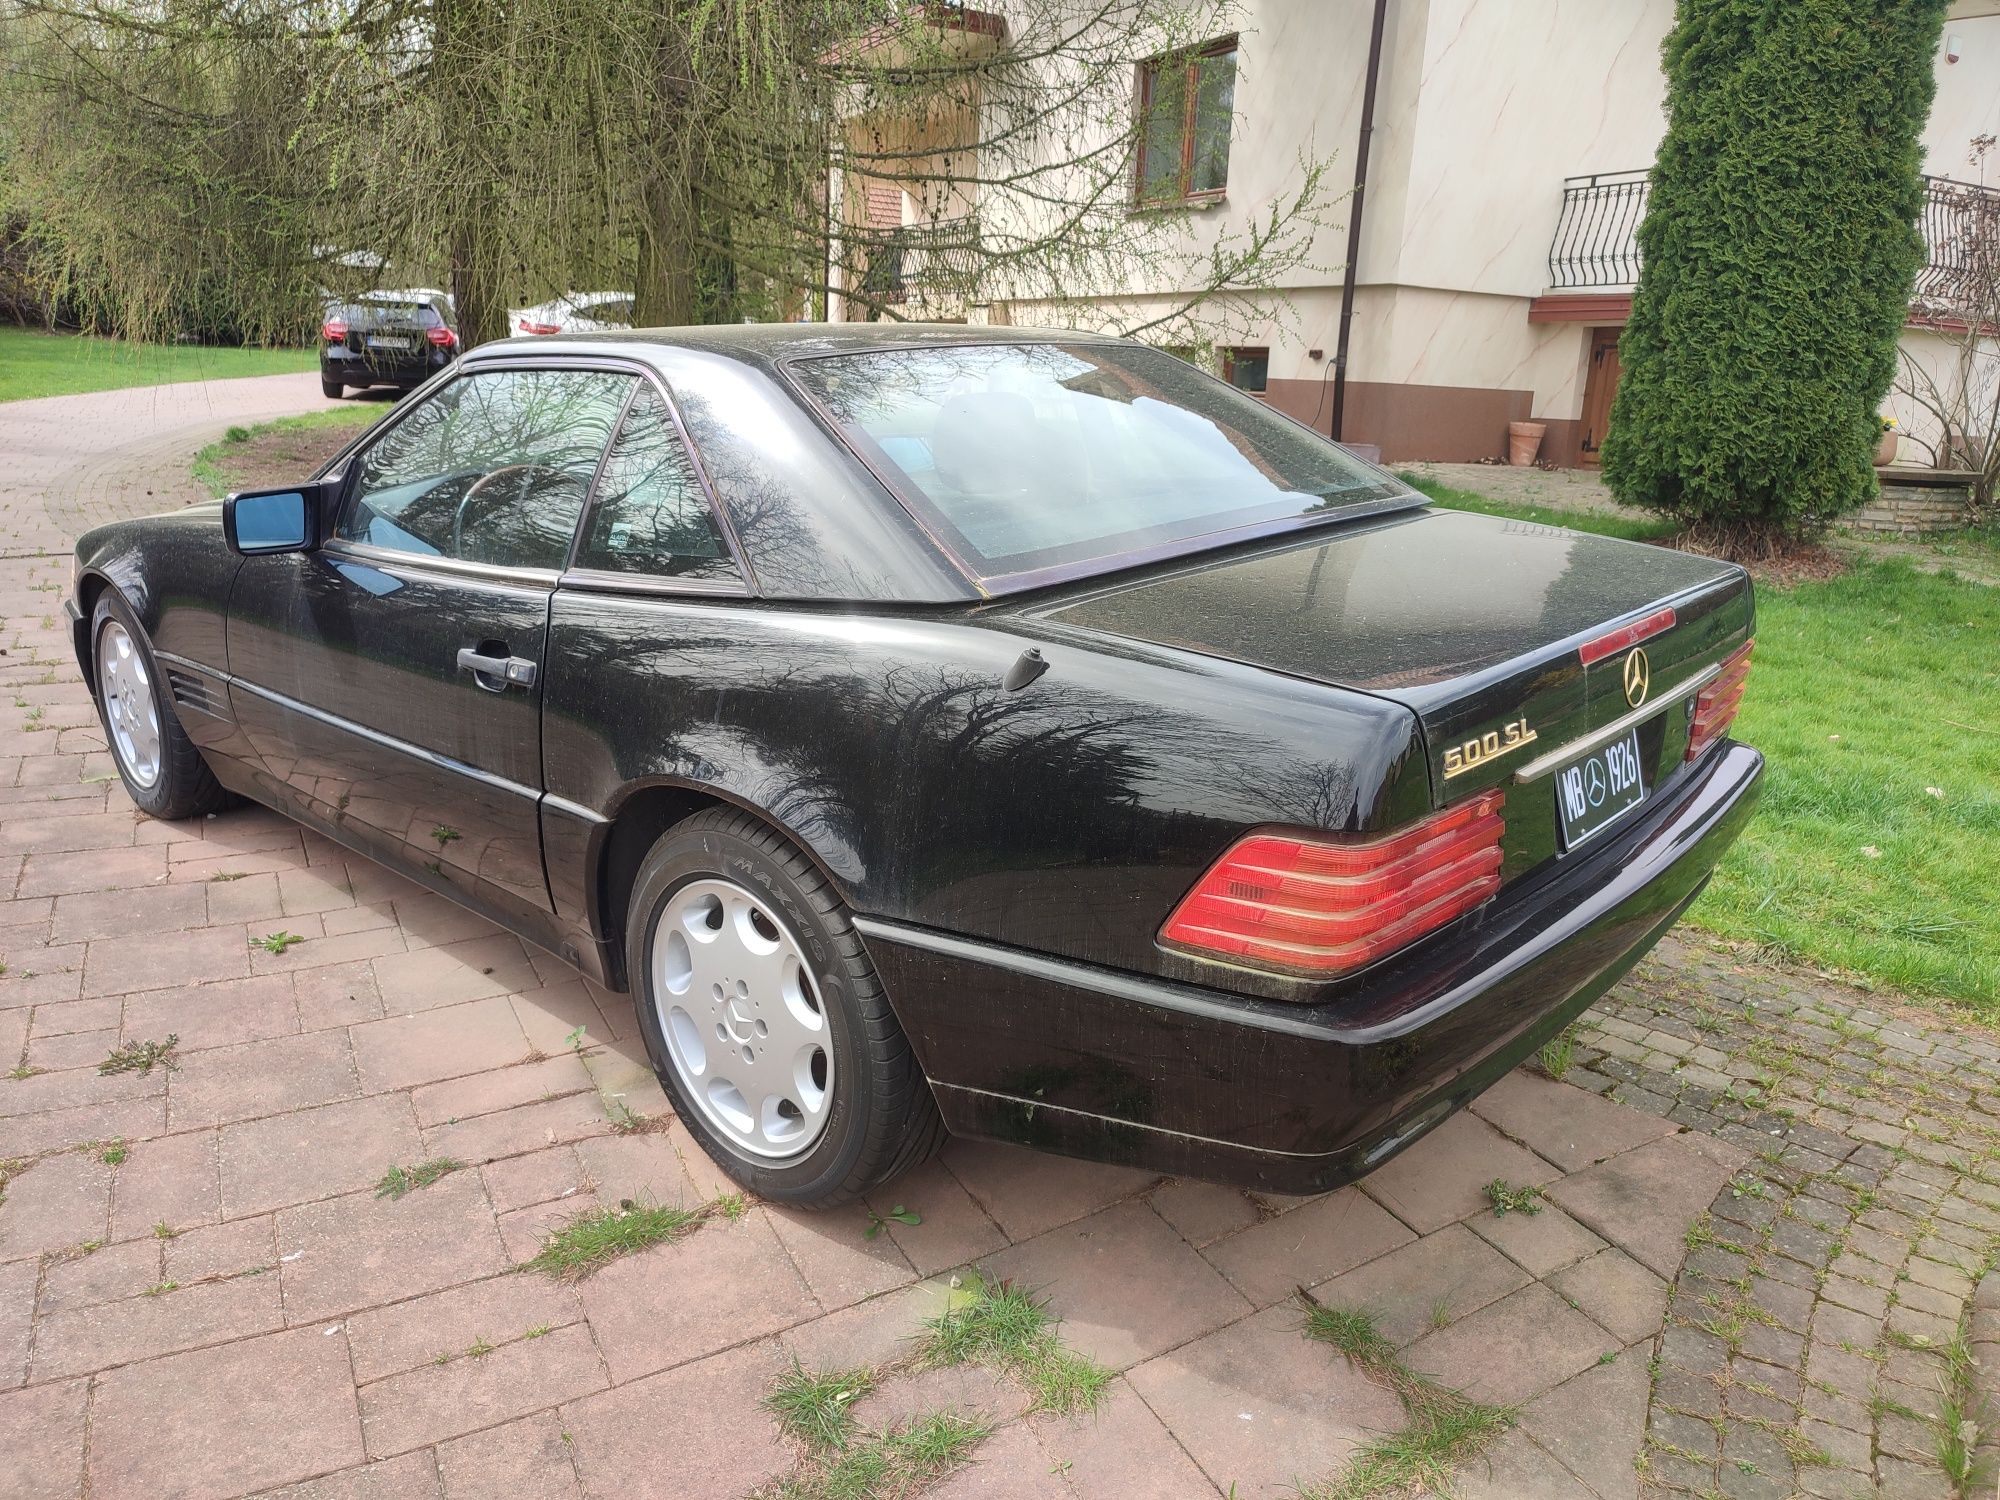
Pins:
x: 255, y: 522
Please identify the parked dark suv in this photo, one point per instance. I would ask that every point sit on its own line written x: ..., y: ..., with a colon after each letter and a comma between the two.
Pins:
x: 386, y: 338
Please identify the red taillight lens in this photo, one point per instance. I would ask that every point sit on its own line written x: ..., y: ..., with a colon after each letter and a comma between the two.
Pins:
x: 1321, y: 906
x: 444, y: 338
x: 526, y: 327
x: 334, y: 331
x: 1715, y: 706
x: 1626, y: 635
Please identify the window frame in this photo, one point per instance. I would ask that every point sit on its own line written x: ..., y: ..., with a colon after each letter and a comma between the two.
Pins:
x: 1231, y: 353
x: 1148, y: 73
x: 568, y: 575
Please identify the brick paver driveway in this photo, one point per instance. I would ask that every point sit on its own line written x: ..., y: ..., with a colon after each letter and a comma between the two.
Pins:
x: 1739, y: 1282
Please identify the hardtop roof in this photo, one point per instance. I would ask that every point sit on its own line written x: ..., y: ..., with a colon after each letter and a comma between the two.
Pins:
x: 773, y: 343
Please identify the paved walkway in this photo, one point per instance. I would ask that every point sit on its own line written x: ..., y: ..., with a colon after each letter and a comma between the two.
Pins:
x: 1758, y: 1204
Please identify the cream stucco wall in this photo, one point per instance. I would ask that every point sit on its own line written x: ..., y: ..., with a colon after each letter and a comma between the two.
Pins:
x: 1484, y: 108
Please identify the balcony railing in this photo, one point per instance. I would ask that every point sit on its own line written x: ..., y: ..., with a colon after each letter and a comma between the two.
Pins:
x: 1961, y: 224
x: 1597, y: 237
x: 939, y: 259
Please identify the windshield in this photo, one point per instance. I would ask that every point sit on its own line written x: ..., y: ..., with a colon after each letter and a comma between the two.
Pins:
x: 1025, y: 457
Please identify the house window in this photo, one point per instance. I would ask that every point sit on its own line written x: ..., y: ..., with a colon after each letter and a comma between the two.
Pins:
x: 1186, y: 102
x: 1247, y: 369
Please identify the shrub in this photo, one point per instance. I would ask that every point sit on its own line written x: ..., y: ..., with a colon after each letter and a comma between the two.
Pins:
x: 1779, y: 248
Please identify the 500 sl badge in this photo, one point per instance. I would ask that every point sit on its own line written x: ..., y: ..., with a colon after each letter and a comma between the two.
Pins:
x: 1474, y: 752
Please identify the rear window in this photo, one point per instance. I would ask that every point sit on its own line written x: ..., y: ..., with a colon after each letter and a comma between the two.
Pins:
x: 378, y: 313
x: 1025, y: 457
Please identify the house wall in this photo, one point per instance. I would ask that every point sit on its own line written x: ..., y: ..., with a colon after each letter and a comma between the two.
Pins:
x: 1484, y: 107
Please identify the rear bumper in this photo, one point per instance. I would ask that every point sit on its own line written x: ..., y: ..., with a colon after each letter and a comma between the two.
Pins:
x: 338, y: 362
x: 1299, y: 1098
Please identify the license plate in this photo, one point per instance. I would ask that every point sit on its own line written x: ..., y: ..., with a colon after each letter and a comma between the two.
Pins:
x: 1596, y: 790
x: 402, y: 345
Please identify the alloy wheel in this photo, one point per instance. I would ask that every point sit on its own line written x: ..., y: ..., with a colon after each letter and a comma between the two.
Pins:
x: 742, y: 1018
x: 130, y: 710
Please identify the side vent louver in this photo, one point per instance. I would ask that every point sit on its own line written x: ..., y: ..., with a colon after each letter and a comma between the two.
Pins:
x: 191, y: 692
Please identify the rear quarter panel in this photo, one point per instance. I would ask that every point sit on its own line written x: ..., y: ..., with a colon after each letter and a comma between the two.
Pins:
x: 1065, y: 817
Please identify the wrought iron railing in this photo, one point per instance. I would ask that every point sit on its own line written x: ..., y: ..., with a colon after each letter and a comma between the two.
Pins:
x: 1961, y: 224
x: 939, y: 259
x: 1597, y: 237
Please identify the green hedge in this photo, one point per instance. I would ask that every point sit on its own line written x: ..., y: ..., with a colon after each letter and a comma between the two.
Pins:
x: 1780, y: 247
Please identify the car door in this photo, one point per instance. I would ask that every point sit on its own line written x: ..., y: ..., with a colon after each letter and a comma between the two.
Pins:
x: 634, y: 625
x: 391, y: 679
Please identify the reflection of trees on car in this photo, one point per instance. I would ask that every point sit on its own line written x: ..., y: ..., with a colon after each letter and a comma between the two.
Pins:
x: 494, y: 468
x: 1035, y: 455
x: 651, y: 514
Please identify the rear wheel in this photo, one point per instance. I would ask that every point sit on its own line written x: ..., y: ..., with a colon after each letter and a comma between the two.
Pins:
x: 162, y: 770
x: 765, y: 1021
x: 333, y: 390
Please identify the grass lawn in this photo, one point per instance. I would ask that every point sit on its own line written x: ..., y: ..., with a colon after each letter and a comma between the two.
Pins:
x: 33, y: 363
x: 1875, y: 697
x: 280, y: 451
x: 1632, y: 529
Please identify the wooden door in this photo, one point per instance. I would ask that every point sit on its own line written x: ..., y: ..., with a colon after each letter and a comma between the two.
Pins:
x: 1600, y: 386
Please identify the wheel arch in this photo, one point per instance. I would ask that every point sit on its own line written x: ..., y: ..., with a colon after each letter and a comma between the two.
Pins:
x: 641, y: 814
x: 90, y: 587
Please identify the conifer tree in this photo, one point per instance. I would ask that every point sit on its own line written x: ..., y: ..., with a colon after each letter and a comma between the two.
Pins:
x: 1779, y: 249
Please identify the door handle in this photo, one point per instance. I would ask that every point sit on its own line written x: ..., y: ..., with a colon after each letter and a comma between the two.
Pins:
x: 496, y: 673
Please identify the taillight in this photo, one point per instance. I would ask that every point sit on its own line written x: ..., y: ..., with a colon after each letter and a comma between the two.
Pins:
x: 1617, y: 640
x: 1320, y: 905
x: 526, y: 327
x: 1715, y: 706
x: 444, y: 338
x: 334, y: 331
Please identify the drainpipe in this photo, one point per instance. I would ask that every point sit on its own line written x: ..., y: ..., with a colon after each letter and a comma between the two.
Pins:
x: 1354, y: 205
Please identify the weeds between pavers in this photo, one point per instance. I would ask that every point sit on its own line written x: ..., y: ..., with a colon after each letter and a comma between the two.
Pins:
x: 140, y: 1057
x: 1960, y: 1418
x: 999, y: 1324
x: 1558, y: 1053
x: 893, y: 1465
x: 1446, y: 1428
x: 816, y: 1406
x: 1508, y: 1199
x: 592, y: 1240
x: 995, y: 1325
x: 399, y: 1180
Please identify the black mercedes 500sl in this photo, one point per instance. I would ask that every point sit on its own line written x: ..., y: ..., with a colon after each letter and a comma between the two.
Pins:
x: 1017, y: 734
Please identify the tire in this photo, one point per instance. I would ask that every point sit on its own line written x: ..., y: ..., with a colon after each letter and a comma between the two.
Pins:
x: 333, y: 390
x: 162, y: 770
x: 876, y: 1118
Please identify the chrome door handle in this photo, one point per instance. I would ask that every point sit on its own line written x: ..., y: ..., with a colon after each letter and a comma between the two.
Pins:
x: 506, y: 671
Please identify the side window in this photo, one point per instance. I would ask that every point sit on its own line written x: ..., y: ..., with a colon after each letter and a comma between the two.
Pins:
x: 492, y: 469
x: 651, y: 515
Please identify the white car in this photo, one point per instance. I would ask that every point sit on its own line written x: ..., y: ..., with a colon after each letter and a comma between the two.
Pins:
x: 576, y: 312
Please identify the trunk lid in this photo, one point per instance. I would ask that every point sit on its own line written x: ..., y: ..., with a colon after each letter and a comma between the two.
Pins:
x: 393, y: 330
x: 1473, y: 622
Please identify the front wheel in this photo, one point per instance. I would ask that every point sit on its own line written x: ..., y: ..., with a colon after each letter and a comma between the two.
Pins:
x: 765, y: 1020
x: 162, y: 770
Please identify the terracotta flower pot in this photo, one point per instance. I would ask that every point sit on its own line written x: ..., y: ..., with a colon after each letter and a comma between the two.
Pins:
x: 1885, y: 451
x: 1524, y: 441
